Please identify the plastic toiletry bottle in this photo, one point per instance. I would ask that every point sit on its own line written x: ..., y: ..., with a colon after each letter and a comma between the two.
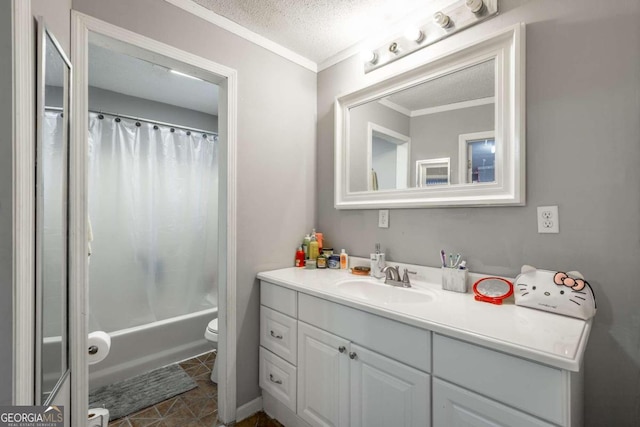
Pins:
x: 305, y: 245
x: 320, y: 239
x: 314, y: 250
x: 299, y: 257
x: 344, y: 260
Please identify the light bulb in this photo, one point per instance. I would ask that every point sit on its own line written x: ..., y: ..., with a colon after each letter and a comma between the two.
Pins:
x: 369, y: 56
x: 441, y: 19
x: 474, y: 6
x: 414, y: 34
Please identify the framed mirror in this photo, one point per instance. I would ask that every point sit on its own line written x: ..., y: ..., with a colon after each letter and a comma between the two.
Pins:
x: 447, y: 133
x: 52, y: 178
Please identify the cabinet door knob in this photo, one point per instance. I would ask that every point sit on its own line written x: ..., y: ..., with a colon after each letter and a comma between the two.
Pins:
x: 274, y: 380
x: 273, y: 334
x: 352, y: 355
x: 342, y: 349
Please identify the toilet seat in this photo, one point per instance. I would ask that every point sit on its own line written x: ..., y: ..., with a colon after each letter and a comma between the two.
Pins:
x: 211, y: 334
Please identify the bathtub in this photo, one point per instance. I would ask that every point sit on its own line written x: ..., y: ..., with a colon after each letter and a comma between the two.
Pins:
x: 143, y: 348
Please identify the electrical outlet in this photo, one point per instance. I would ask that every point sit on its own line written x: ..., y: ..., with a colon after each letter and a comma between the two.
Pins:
x: 383, y: 218
x: 548, y: 219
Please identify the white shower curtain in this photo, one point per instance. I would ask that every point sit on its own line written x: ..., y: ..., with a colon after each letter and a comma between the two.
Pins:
x: 153, y: 209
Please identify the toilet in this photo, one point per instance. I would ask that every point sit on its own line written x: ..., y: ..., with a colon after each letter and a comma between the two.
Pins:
x: 211, y: 335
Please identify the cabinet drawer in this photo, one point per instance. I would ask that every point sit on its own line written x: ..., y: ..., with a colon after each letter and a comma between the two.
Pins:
x: 455, y: 406
x: 278, y: 377
x: 278, y: 298
x: 279, y: 334
x: 537, y: 389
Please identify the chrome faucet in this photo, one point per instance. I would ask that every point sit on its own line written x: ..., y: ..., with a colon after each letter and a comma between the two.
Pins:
x: 392, y: 276
x: 391, y: 273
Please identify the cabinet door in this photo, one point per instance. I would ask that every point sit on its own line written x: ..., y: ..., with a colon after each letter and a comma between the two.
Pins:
x: 456, y: 407
x: 323, y: 377
x: 385, y: 392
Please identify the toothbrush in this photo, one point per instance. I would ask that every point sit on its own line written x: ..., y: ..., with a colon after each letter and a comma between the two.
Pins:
x: 451, y: 260
x: 455, y: 264
x: 444, y: 259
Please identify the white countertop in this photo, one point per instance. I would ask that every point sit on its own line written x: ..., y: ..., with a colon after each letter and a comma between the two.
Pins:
x: 547, y: 338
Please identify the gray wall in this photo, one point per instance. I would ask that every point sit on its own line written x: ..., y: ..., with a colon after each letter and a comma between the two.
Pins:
x: 583, y: 154
x: 6, y: 206
x: 276, y: 150
x: 436, y: 135
x: 114, y: 102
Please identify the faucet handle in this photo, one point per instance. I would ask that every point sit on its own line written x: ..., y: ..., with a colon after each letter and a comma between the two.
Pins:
x: 405, y: 276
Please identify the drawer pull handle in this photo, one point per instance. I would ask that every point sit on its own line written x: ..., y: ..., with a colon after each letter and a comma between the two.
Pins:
x: 273, y: 334
x: 352, y: 355
x: 274, y: 381
x: 342, y: 349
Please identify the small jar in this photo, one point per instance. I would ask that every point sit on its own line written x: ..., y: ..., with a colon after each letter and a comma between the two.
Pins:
x: 310, y: 264
x: 327, y: 252
x: 322, y: 261
x: 334, y: 261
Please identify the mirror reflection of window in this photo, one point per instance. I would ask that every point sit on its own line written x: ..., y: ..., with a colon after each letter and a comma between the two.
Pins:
x: 483, y: 156
x: 477, y: 153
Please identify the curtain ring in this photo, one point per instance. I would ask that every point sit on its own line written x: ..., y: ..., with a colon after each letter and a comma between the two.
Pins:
x: 100, y: 116
x: 138, y: 124
x: 188, y: 132
x: 118, y: 119
x: 155, y: 127
x: 172, y: 130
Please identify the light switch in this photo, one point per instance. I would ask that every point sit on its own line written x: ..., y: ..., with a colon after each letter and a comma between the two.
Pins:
x: 383, y: 218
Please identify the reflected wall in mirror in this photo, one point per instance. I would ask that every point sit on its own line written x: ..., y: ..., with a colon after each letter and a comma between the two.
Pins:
x: 431, y: 115
x: 52, y: 151
x: 449, y: 132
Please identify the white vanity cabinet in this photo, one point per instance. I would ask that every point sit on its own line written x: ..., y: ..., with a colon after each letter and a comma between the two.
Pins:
x: 353, y: 368
x: 343, y: 384
x: 493, y: 388
x: 326, y: 360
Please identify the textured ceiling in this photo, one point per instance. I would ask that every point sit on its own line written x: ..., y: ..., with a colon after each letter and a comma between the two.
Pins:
x: 471, y: 83
x: 134, y: 77
x: 318, y: 29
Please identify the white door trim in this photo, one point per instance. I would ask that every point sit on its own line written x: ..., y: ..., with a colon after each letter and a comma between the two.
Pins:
x: 81, y: 26
x: 23, y: 204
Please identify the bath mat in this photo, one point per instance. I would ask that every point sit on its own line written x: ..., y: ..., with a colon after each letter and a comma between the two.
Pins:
x: 126, y: 397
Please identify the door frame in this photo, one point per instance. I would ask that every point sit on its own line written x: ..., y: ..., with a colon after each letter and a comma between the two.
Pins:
x: 23, y: 203
x: 81, y: 25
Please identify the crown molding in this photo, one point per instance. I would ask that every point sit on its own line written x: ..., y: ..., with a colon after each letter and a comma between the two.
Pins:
x: 240, y: 31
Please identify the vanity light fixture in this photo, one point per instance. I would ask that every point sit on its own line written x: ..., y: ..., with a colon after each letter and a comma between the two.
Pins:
x: 460, y: 14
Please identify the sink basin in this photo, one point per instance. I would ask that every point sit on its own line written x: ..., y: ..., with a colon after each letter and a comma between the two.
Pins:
x: 379, y: 293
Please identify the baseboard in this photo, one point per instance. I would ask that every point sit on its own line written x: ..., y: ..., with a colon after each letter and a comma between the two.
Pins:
x: 248, y: 409
x: 279, y: 411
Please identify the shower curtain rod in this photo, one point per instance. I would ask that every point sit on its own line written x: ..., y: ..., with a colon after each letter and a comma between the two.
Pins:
x: 141, y: 119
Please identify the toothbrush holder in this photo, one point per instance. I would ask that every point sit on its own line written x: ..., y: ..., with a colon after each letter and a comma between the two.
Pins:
x: 454, y: 279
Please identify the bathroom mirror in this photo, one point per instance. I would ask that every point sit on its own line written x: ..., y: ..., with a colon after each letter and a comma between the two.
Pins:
x: 446, y: 133
x: 52, y: 151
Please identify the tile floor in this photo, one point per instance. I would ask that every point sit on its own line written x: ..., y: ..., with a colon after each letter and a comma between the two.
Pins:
x: 195, y: 408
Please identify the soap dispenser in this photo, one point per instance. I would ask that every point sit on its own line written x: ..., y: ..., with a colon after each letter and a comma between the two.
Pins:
x: 377, y: 263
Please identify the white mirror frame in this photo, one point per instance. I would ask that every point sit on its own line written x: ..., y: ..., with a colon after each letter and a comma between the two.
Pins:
x: 507, y: 48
